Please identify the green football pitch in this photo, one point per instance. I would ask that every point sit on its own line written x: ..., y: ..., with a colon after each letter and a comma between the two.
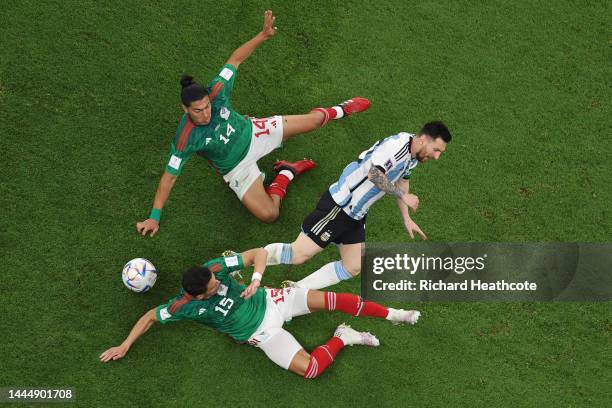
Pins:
x: 89, y: 102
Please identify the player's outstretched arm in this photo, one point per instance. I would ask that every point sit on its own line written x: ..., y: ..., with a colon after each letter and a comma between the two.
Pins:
x: 256, y: 257
x: 245, y: 50
x: 164, y: 187
x: 142, y: 325
x: 410, y: 225
x: 380, y: 180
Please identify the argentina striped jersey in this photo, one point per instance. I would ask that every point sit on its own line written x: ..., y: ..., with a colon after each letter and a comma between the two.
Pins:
x: 354, y: 192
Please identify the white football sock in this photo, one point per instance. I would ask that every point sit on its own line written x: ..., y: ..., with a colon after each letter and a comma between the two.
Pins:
x: 279, y: 253
x: 324, y: 277
x: 339, y: 112
x: 287, y: 173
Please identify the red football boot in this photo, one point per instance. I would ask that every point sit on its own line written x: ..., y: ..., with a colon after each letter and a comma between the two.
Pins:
x: 355, y: 105
x: 297, y: 168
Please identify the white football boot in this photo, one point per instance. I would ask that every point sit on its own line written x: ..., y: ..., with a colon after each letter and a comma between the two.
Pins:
x: 289, y: 284
x: 399, y: 316
x: 350, y: 336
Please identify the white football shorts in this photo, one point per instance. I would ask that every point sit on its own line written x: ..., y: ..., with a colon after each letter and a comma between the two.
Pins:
x: 281, y: 306
x: 267, y: 135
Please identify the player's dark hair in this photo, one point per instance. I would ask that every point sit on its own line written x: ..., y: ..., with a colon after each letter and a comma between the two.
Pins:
x: 436, y: 129
x: 191, y: 90
x: 195, y: 280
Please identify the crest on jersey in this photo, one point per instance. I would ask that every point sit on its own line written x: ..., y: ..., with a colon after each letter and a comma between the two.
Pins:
x: 225, y: 113
x: 201, y: 311
x: 325, y: 236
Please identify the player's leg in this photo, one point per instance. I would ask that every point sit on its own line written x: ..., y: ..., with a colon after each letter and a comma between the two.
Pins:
x: 246, y: 180
x: 318, y: 117
x: 337, y: 271
x: 356, y: 306
x: 284, y: 350
x: 262, y: 205
x: 313, y: 238
x: 339, y: 228
x: 295, y: 253
x: 350, y: 254
x: 266, y: 136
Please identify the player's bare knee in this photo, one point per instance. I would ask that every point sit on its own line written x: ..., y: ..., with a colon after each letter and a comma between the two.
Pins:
x: 353, y: 269
x: 268, y: 215
x: 317, y: 118
x: 298, y: 256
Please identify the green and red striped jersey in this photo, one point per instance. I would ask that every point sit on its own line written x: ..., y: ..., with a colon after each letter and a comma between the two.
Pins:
x: 225, y: 311
x: 225, y: 140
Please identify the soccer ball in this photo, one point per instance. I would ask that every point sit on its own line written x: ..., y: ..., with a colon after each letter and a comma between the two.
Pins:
x: 139, y: 275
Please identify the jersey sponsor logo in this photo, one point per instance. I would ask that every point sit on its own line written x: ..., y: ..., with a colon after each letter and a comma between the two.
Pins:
x: 164, y: 313
x: 231, y: 261
x: 226, y: 74
x: 208, y: 139
x: 175, y: 162
x: 222, y: 291
x: 225, y: 113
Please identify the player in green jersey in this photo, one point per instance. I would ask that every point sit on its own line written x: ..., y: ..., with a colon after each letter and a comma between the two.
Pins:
x: 254, y: 315
x: 233, y: 143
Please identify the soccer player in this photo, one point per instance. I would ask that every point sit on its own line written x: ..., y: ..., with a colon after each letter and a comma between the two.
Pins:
x: 255, y: 315
x: 233, y: 143
x: 341, y: 212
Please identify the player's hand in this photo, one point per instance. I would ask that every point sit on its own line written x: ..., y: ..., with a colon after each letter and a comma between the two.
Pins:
x: 411, y: 200
x: 113, y: 353
x: 412, y: 227
x: 269, y: 29
x: 251, y: 289
x: 148, y: 225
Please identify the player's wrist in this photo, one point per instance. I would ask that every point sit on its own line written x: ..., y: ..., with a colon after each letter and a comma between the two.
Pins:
x: 155, y: 214
x: 263, y: 36
x: 256, y: 276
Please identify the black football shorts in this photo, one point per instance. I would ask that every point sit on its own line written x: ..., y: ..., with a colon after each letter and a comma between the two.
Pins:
x: 329, y: 223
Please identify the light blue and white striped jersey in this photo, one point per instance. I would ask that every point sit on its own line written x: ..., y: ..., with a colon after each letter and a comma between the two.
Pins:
x: 354, y: 192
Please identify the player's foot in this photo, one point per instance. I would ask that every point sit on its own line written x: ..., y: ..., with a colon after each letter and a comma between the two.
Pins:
x: 399, y: 316
x: 289, y: 284
x: 355, y: 105
x: 350, y: 336
x: 297, y: 168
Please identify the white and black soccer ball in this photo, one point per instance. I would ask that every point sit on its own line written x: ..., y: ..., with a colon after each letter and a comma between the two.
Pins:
x: 139, y: 275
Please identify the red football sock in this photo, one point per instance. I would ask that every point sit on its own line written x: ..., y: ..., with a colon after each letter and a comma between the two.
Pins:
x: 322, y: 357
x: 354, y: 305
x: 278, y: 186
x: 329, y: 113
